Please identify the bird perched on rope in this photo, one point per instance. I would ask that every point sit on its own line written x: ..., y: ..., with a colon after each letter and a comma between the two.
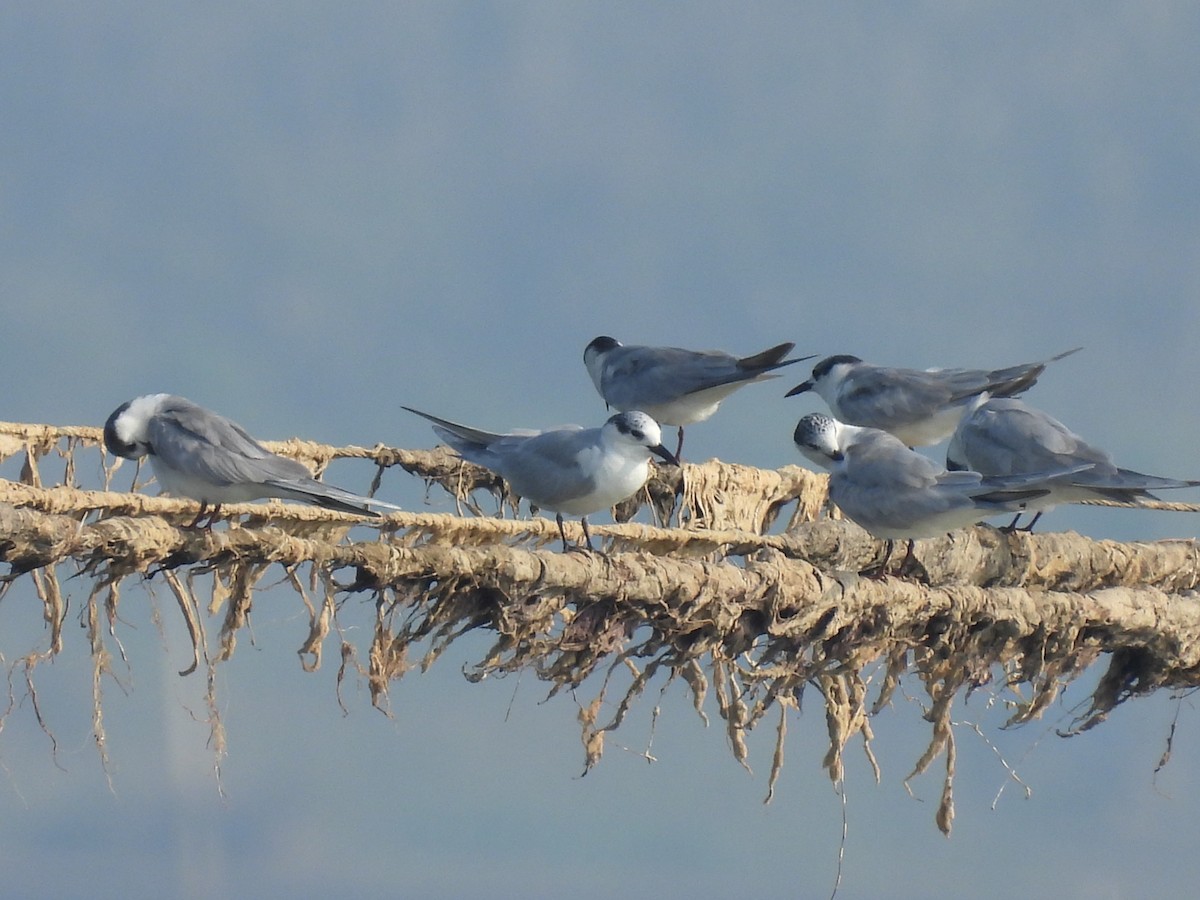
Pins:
x: 199, y: 454
x: 572, y: 470
x: 895, y: 492
x: 1006, y: 436
x: 672, y: 385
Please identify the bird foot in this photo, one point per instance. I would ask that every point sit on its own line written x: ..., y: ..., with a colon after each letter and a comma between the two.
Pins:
x: 874, y: 573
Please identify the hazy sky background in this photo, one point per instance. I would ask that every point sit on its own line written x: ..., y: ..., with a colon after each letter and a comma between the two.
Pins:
x: 304, y: 215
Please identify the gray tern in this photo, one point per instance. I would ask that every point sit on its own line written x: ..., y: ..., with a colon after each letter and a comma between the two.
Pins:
x: 919, y: 407
x: 672, y: 385
x: 199, y: 454
x: 1005, y: 436
x: 895, y: 492
x: 572, y: 470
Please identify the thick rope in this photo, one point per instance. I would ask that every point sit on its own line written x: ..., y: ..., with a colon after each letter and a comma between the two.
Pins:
x: 752, y: 617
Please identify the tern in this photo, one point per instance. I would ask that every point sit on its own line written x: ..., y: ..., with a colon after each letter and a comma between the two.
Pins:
x: 672, y: 385
x: 1005, y: 436
x: 572, y: 470
x: 199, y: 454
x: 895, y: 492
x: 918, y: 407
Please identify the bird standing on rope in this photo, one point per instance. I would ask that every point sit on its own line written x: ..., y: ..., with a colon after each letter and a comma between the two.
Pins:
x: 572, y: 470
x: 1005, y: 436
x: 672, y: 385
x: 199, y: 454
x: 919, y: 408
x: 894, y: 492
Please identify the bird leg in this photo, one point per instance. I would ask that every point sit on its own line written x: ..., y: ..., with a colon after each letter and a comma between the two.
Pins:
x: 879, y: 571
x: 586, y: 546
x: 679, y: 446
x: 562, y: 532
x: 212, y: 516
x: 910, y: 566
x: 195, y: 523
x: 1012, y: 526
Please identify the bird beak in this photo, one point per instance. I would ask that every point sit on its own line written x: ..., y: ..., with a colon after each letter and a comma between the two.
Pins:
x: 666, y: 454
x: 800, y: 388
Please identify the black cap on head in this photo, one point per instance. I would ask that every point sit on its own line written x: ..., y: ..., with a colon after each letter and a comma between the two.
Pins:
x: 601, y: 344
x: 821, y: 369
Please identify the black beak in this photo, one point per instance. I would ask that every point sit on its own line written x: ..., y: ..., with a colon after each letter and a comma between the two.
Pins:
x: 666, y: 454
x: 800, y: 388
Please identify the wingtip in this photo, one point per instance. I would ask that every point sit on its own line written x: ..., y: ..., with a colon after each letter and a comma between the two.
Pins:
x: 429, y: 417
x: 1064, y: 354
x: 769, y: 358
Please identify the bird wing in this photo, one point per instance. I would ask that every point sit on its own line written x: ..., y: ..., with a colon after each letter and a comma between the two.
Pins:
x: 650, y: 376
x: 546, y: 468
x: 1129, y: 479
x: 771, y: 358
x: 205, y: 445
x: 193, y: 440
x: 1012, y: 380
x: 887, y: 397
x: 540, y: 466
x: 883, y: 461
x: 987, y: 494
x: 895, y: 500
x: 309, y: 490
x: 1007, y: 437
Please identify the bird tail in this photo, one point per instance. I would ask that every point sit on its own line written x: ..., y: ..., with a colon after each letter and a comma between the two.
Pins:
x: 770, y: 359
x: 1015, y: 380
x: 454, y: 433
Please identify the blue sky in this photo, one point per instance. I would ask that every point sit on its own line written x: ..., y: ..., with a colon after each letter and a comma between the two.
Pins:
x: 305, y: 215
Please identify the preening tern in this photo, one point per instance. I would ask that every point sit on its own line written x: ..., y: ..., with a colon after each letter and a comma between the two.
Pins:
x: 199, y: 454
x: 1006, y: 436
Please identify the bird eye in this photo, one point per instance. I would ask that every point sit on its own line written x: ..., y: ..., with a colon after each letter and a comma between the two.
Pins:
x: 638, y: 435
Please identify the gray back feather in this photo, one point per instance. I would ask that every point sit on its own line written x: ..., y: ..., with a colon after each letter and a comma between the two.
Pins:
x: 650, y: 376
x: 191, y: 439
